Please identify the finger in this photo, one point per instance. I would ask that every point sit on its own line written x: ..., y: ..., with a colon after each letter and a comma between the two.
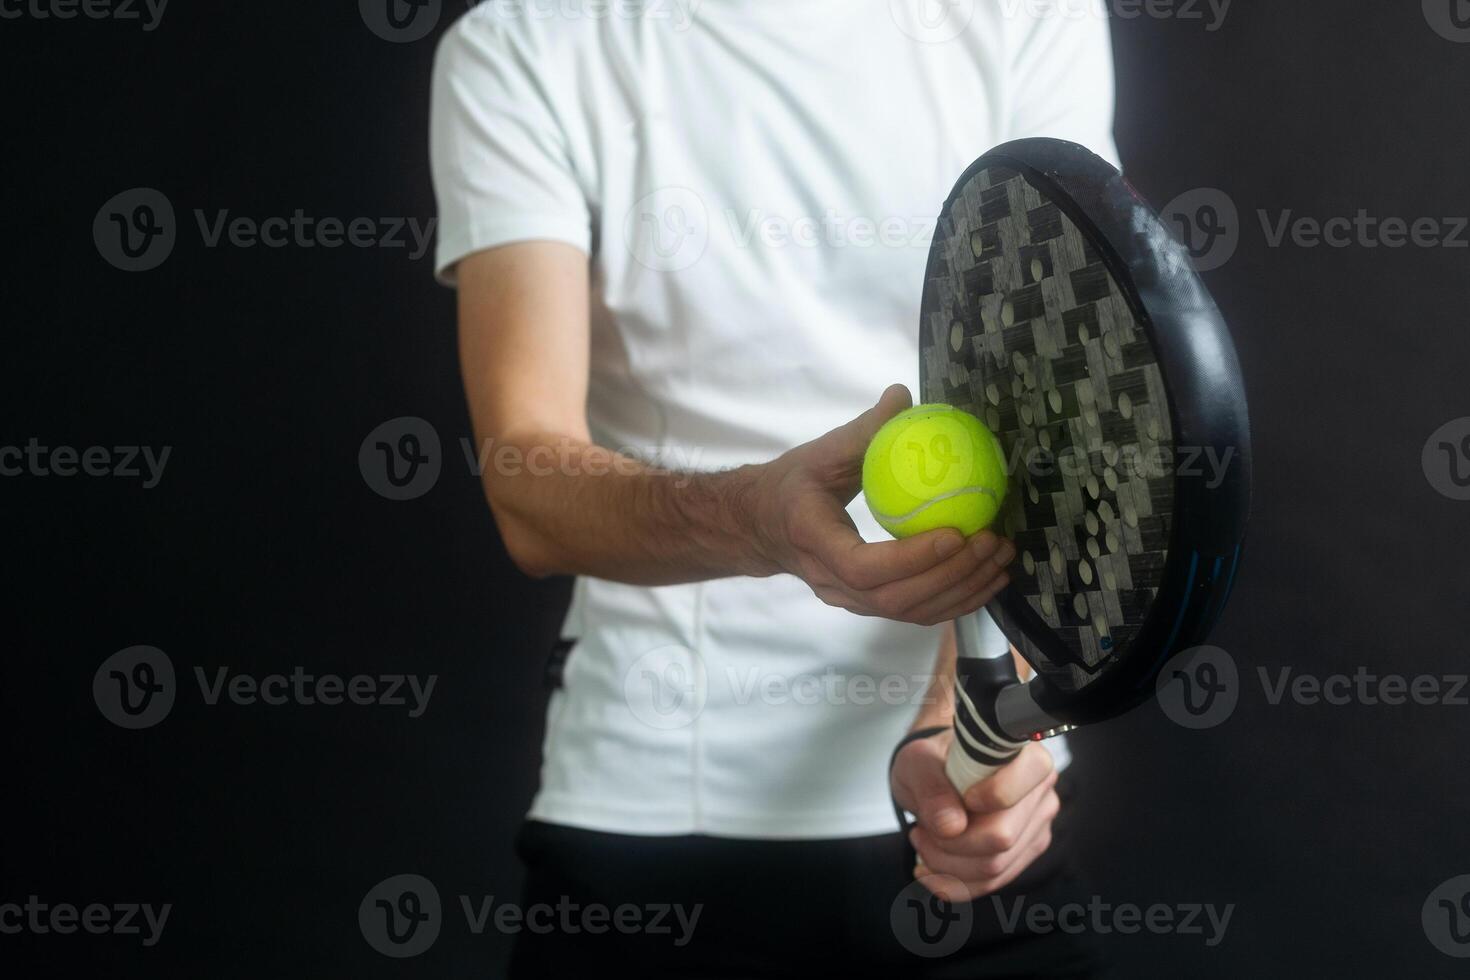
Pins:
x: 981, y: 579
x: 936, y: 804
x: 976, y: 602
x: 826, y: 538
x: 840, y: 452
x: 979, y: 888
x: 1039, y: 824
x: 945, y: 887
x: 981, y: 851
x: 897, y: 599
x: 1012, y: 782
x: 862, y: 567
x: 836, y: 598
x: 992, y: 859
x: 970, y: 861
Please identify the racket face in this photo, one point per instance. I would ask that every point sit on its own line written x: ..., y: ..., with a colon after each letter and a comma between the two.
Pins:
x: 1034, y: 320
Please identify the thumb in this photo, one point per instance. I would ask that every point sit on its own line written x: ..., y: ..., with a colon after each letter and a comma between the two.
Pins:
x: 936, y: 803
x: 844, y: 446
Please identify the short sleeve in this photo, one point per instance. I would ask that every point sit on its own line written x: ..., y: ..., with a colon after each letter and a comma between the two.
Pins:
x: 1061, y: 74
x: 498, y: 152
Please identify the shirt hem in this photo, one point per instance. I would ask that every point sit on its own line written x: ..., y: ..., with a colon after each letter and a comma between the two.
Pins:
x: 570, y: 812
x: 453, y: 248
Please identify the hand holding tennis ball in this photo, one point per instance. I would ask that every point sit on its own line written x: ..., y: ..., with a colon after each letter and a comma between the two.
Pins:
x: 934, y: 466
x: 792, y: 515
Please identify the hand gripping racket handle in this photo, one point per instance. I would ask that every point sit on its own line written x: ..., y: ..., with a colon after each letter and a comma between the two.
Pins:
x: 994, y: 714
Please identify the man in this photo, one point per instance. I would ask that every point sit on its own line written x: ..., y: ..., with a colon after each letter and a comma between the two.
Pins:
x: 689, y: 243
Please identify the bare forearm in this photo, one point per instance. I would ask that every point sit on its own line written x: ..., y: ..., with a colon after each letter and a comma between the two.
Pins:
x: 566, y: 506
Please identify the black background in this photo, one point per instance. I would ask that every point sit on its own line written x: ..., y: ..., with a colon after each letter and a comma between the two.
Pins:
x: 263, y: 547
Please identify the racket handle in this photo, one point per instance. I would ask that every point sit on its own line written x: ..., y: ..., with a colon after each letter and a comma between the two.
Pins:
x: 965, y: 771
x: 983, y: 670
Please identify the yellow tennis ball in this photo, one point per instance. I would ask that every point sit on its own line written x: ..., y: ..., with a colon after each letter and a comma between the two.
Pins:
x: 934, y: 466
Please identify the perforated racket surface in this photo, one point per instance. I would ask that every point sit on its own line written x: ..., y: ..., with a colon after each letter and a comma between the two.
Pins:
x: 1058, y: 309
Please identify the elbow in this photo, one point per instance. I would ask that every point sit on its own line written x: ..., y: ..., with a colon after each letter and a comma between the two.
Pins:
x: 532, y: 562
x: 527, y: 549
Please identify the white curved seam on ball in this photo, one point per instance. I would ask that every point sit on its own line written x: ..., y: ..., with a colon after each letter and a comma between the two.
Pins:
x: 939, y: 499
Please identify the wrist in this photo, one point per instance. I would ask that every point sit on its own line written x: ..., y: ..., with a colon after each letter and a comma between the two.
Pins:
x: 933, y: 719
x: 721, y: 512
x: 749, y: 511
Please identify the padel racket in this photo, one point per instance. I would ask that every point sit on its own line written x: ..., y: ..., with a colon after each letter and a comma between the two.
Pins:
x: 1060, y: 310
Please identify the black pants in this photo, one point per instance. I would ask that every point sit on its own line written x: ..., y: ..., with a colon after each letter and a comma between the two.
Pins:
x: 628, y: 904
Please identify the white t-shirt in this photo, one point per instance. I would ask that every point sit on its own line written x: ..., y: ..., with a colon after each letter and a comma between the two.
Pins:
x: 756, y: 184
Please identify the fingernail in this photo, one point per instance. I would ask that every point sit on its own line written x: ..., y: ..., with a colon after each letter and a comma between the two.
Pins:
x: 948, y: 544
x: 984, y: 544
x: 1005, y: 555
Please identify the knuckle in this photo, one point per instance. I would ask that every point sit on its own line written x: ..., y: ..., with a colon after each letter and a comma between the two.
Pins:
x: 1051, y: 806
x: 848, y: 565
x: 986, y: 798
x: 890, y: 606
x: 1002, y: 798
x: 1001, y: 839
x: 991, y: 867
x: 796, y: 532
x: 960, y: 572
